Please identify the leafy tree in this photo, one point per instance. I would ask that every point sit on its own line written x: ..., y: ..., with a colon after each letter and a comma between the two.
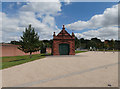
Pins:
x: 15, y: 42
x: 117, y: 44
x: 45, y: 44
x: 77, y: 43
x: 112, y: 44
x: 106, y: 45
x: 29, y: 41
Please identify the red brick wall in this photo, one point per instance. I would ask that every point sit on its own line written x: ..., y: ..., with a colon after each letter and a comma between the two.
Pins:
x: 12, y: 50
x: 56, y: 46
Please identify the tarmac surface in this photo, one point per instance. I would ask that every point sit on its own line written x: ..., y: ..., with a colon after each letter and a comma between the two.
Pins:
x: 89, y: 69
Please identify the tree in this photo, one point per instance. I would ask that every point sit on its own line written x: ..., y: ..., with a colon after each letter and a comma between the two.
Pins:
x: 29, y: 41
x: 112, y: 45
x: 106, y: 45
x: 15, y: 42
x: 77, y: 43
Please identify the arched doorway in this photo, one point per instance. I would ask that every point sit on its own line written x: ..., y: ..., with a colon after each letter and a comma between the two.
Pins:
x: 64, y: 49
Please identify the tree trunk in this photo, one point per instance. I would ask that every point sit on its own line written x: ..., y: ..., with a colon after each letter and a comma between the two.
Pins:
x: 30, y: 54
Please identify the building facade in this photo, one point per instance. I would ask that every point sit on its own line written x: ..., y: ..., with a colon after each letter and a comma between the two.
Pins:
x: 63, y: 43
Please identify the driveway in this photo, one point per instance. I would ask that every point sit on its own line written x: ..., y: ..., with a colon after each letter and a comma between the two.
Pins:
x: 89, y: 69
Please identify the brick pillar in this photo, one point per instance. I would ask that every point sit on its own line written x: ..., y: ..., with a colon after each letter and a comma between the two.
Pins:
x: 55, y: 48
x: 72, y: 48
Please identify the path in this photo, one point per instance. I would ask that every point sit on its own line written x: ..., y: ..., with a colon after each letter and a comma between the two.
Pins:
x: 89, y: 69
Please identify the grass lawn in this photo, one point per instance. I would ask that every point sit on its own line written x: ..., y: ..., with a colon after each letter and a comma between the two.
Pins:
x: 16, y: 60
x: 78, y: 51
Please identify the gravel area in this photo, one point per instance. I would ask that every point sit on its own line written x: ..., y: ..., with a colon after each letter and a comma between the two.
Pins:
x: 88, y: 69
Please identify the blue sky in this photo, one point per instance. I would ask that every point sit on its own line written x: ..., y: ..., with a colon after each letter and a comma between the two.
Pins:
x: 81, y: 11
x: 11, y: 8
x: 72, y: 15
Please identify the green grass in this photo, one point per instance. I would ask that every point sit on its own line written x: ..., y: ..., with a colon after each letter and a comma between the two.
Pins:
x: 16, y: 60
x: 77, y: 51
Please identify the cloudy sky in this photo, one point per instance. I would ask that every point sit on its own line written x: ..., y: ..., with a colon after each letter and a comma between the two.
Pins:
x: 85, y: 19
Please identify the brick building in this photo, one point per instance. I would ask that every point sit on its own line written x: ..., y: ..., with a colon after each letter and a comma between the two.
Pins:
x: 63, y: 43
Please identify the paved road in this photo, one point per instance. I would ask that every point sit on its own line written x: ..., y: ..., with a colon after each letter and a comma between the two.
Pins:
x: 90, y: 69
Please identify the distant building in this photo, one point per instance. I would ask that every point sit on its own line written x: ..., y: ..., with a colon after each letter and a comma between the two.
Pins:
x: 48, y: 50
x: 12, y: 50
x: 63, y: 43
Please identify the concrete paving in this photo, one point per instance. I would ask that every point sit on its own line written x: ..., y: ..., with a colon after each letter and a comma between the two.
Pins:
x: 89, y: 69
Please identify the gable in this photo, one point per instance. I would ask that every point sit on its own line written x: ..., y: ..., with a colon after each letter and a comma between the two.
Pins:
x: 64, y: 33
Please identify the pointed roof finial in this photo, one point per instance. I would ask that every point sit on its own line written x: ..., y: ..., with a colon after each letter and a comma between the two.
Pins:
x: 54, y: 34
x: 73, y: 34
x: 63, y: 26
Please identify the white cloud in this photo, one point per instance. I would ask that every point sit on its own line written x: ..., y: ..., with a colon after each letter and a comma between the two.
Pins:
x: 43, y: 8
x: 106, y: 25
x: 67, y: 2
x: 102, y: 33
x: 108, y: 18
x: 40, y: 15
x: 78, y: 35
x: 18, y: 3
x: 49, y: 20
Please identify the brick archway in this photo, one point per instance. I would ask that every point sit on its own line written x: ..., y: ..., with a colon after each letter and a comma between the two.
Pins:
x: 63, y: 38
